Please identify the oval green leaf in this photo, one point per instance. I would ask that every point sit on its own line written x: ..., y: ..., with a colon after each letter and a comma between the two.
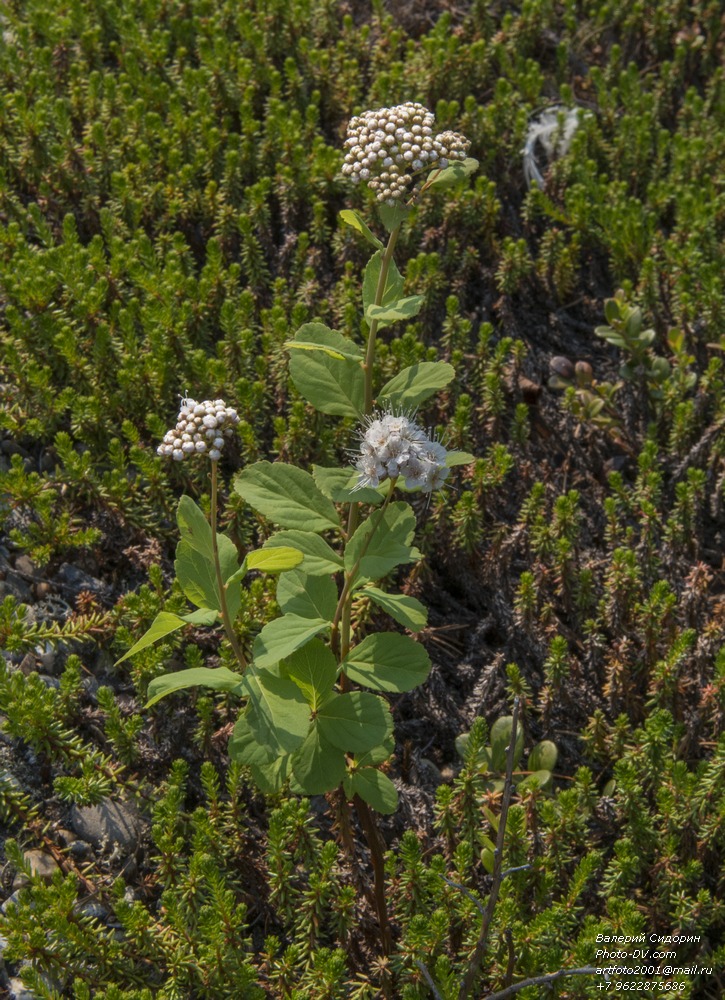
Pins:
x: 318, y: 558
x: 414, y: 385
x: 407, y: 611
x: 218, y: 679
x: 373, y: 787
x: 286, y: 495
x: 283, y: 636
x: 387, y: 661
x: 355, y: 722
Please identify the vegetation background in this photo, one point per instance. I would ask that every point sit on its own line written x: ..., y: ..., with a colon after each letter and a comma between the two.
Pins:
x: 169, y: 195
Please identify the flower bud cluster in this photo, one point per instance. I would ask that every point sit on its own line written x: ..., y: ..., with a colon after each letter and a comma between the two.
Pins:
x: 200, y: 429
x: 394, y: 445
x: 386, y: 147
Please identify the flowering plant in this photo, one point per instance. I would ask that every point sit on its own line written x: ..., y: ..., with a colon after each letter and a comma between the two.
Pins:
x: 315, y: 715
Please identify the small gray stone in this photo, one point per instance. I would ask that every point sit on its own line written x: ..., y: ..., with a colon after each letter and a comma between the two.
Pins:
x: 77, y: 580
x: 28, y: 664
x: 18, y: 991
x: 41, y: 864
x: 96, y: 910
x: 25, y: 566
x: 108, y: 823
x: 51, y: 682
x: 79, y: 850
x: 10, y: 901
x: 14, y: 585
x: 10, y: 447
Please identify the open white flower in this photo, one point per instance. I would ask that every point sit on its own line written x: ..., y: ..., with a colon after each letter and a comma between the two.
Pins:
x: 201, y: 428
x: 385, y: 148
x: 394, y: 446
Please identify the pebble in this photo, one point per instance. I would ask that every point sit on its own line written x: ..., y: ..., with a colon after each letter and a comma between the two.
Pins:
x: 66, y: 837
x: 108, y: 823
x: 10, y: 447
x: 28, y: 664
x: 15, y: 586
x: 10, y: 901
x: 79, y: 850
x: 51, y: 682
x: 77, y: 580
x: 25, y: 565
x: 43, y: 589
x: 41, y: 864
x: 96, y: 910
x: 18, y: 991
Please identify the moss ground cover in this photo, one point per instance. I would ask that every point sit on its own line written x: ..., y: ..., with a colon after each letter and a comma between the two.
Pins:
x: 170, y: 189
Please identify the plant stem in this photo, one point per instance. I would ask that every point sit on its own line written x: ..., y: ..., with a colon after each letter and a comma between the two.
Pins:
x: 377, y: 847
x: 343, y: 613
x: 228, y: 627
x: 379, y: 292
x: 345, y: 601
x: 474, y: 966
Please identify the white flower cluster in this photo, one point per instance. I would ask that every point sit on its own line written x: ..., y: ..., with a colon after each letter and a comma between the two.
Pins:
x: 394, y: 445
x: 386, y: 147
x: 200, y: 429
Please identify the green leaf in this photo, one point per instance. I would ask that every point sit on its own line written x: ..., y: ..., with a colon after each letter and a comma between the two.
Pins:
x: 500, y: 739
x: 271, y: 778
x: 373, y: 787
x: 318, y: 337
x: 541, y: 779
x: 415, y: 384
x: 389, y: 545
x: 459, y: 458
x: 402, y: 309
x: 218, y: 679
x: 283, y: 636
x: 318, y: 766
x: 202, y: 616
x: 453, y: 173
x: 377, y: 755
x: 393, y: 282
x: 334, y: 382
x: 163, y: 624
x: 277, y: 714
x: 543, y: 756
x: 387, y: 661
x: 332, y: 386
x: 275, y: 560
x: 340, y: 485
x: 244, y: 747
x: 353, y: 219
x: 407, y: 611
x: 314, y: 670
x: 307, y: 596
x: 286, y: 495
x: 319, y: 559
x: 195, y: 530
x: 194, y: 527
x: 392, y: 215
x: 197, y: 578
x: 355, y: 722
